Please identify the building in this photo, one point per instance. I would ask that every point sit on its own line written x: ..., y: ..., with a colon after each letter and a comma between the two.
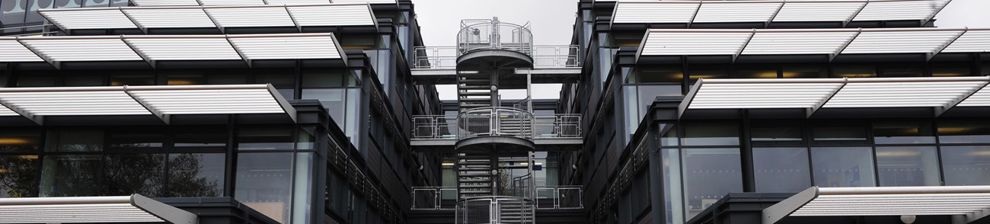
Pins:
x: 317, y: 111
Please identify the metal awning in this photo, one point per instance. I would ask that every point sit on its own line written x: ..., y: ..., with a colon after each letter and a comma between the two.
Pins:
x: 215, y: 17
x: 112, y: 209
x: 939, y: 93
x: 253, y: 2
x: 845, y: 11
x: 154, y: 48
x: 971, y: 202
x: 161, y: 101
x: 830, y: 42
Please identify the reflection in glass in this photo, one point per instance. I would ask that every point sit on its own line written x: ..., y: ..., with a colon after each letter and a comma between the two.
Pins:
x: 71, y: 175
x: 74, y: 141
x: 840, y: 134
x: 902, y: 132
x: 908, y: 166
x: 18, y: 176
x: 264, y: 183
x: 781, y: 170
x: 128, y: 174
x: 964, y: 131
x: 673, y: 202
x: 195, y: 175
x: 777, y: 133
x: 709, y: 174
x: 966, y: 165
x: 269, y: 138
x: 19, y: 140
x: 710, y: 134
x: 843, y: 166
x: 331, y: 99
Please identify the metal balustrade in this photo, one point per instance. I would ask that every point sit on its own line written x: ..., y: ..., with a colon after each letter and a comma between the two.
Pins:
x: 560, y: 197
x: 544, y: 56
x: 492, y: 34
x: 496, y: 121
x: 434, y: 198
x: 495, y: 209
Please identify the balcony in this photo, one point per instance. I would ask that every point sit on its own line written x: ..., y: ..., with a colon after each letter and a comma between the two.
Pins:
x: 497, y: 121
x: 544, y: 57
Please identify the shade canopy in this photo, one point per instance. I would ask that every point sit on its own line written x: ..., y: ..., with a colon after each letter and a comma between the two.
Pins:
x: 58, y: 49
x: 162, y: 101
x: 112, y: 209
x: 688, y: 12
x: 970, y: 202
x: 940, y: 93
x: 216, y: 17
x: 253, y: 2
x: 831, y: 42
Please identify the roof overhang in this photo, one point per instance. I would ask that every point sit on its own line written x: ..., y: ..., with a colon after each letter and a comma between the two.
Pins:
x: 830, y: 43
x: 152, y: 49
x: 971, y: 202
x: 217, y: 18
x: 776, y: 11
x: 112, y: 209
x: 811, y: 95
x: 162, y: 101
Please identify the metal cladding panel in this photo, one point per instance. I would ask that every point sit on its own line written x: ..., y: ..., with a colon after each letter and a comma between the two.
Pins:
x: 762, y: 95
x: 170, y: 18
x: 971, y: 41
x: 817, y: 11
x: 892, y: 42
x: 89, y: 19
x: 691, y: 43
x: 298, y: 2
x: 287, y: 47
x: 736, y: 12
x: 105, y: 101
x: 82, y: 49
x: 13, y: 51
x: 901, y: 94
x: 333, y: 15
x: 232, y: 2
x: 765, y: 43
x: 73, y: 213
x: 163, y: 2
x: 211, y: 101
x: 897, y: 10
x: 185, y: 48
x: 674, y: 12
x: 251, y: 17
x: 365, y: 1
x: 4, y: 111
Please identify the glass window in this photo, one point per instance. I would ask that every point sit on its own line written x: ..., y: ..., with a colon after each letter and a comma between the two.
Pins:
x: 127, y: 174
x: 903, y: 132
x: 709, y: 174
x: 37, y: 80
x: 71, y: 175
x: 950, y: 70
x: 331, y: 99
x: 966, y: 165
x: 264, y: 183
x: 84, y: 80
x: 673, y: 202
x: 803, y: 71
x: 195, y: 174
x: 18, y: 176
x: 19, y: 140
x: 908, y: 166
x: 964, y: 131
x: 74, y: 141
x: 667, y: 74
x: 33, y: 17
x: 781, y: 170
x: 854, y: 71
x: 707, y: 72
x: 302, y: 188
x: 282, y: 79
x: 96, y: 3
x: 846, y: 133
x: 759, y: 72
x: 68, y: 3
x: 777, y: 133
x: 322, y: 78
x: 902, y: 71
x: 669, y: 137
x: 12, y: 13
x: 648, y: 93
x: 185, y: 79
x: 710, y: 134
x: 135, y: 141
x: 132, y: 80
x: 843, y: 166
x: 271, y: 138
x: 201, y: 139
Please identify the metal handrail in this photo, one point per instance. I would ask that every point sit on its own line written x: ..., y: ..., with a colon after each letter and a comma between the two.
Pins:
x: 469, y: 207
x: 441, y: 127
x: 432, y: 198
x: 558, y: 197
x: 544, y: 56
x: 501, y: 121
x: 489, y: 34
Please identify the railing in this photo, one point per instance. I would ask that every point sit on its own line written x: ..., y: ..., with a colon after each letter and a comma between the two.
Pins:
x: 434, y: 198
x: 560, y: 197
x: 439, y: 127
x: 495, y: 121
x: 544, y: 56
x: 495, y: 209
x: 493, y: 35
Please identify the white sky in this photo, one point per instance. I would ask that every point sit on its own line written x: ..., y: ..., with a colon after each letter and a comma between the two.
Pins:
x: 552, y: 24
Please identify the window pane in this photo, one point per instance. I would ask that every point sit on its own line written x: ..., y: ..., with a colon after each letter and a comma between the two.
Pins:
x: 201, y: 139
x: 843, y: 166
x: 74, y: 141
x: 12, y: 13
x: 710, y: 134
x: 331, y: 99
x: 71, y: 175
x: 132, y: 80
x: 777, y: 133
x: 649, y: 93
x: 781, y: 170
x: 135, y: 174
x: 322, y: 78
x: 964, y: 131
x: 673, y: 202
x: 854, y: 71
x: 966, y: 165
x: 84, y: 80
x: 707, y: 72
x: 755, y: 72
x: 136, y: 141
x: 903, y: 132
x: 709, y: 174
x: 908, y: 166
x: 282, y: 80
x: 19, y: 140
x: 800, y: 71
x: 840, y: 134
x: 271, y: 138
x: 195, y: 174
x: 657, y: 75
x: 951, y: 70
x: 264, y: 183
x: 18, y: 176
x: 902, y: 71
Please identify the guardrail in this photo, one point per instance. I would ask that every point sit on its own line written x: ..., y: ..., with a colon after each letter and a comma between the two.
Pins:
x: 560, y: 197
x: 489, y: 121
x: 544, y: 56
x: 494, y: 210
x: 434, y: 198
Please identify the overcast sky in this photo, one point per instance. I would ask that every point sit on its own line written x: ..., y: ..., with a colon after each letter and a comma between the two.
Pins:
x: 552, y: 24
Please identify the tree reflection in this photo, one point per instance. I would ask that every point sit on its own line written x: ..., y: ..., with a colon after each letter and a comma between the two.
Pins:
x: 18, y: 176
